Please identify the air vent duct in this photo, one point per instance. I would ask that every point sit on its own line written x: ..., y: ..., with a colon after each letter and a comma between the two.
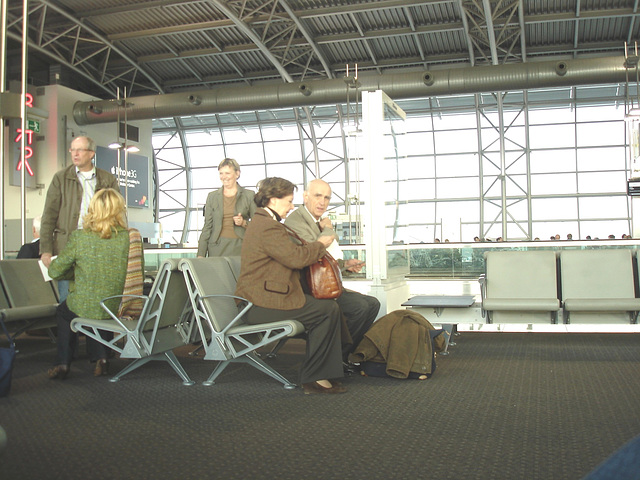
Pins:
x: 514, y: 76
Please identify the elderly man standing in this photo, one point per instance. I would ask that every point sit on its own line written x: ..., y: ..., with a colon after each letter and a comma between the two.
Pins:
x: 359, y: 310
x: 68, y: 200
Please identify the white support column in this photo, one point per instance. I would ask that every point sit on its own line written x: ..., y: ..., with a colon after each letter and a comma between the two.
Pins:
x: 635, y: 223
x: 373, y: 211
x: 390, y: 290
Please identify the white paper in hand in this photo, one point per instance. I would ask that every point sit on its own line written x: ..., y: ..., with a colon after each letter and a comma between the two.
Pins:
x: 45, y: 270
x: 334, y: 250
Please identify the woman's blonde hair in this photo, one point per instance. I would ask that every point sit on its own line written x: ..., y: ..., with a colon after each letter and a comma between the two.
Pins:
x: 106, y: 212
x: 229, y: 162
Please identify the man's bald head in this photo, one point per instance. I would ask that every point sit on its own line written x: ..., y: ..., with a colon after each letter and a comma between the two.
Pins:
x: 317, y: 197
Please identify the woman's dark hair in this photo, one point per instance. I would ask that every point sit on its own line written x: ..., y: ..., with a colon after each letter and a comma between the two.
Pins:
x: 273, y: 187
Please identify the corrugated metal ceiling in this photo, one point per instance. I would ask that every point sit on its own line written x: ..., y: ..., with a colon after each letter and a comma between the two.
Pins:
x: 171, y: 45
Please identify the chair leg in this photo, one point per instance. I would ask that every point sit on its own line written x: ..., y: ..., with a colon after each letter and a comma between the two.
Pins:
x: 448, y: 328
x: 52, y: 335
x: 166, y: 356
x: 276, y: 348
x: 129, y: 368
x: 216, y: 371
x: 255, y: 361
x: 258, y: 363
x: 177, y: 367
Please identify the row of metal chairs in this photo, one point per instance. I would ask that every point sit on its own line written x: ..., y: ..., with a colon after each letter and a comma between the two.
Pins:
x: 191, y: 300
x: 27, y: 301
x: 588, y: 286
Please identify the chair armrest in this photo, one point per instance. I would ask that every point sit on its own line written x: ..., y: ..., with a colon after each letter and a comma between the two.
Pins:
x: 32, y: 312
x: 114, y: 316
x: 237, y: 317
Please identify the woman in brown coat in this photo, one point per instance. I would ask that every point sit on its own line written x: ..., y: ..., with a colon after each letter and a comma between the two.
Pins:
x: 270, y: 279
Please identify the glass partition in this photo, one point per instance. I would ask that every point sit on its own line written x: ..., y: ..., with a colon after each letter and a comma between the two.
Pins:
x: 430, y: 261
x: 464, y: 261
x: 153, y: 257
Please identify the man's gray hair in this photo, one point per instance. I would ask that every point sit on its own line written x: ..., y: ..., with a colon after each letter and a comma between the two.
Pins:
x: 37, y: 221
x: 91, y: 144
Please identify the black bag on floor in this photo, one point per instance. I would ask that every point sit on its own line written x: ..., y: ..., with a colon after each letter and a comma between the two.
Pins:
x: 7, y: 355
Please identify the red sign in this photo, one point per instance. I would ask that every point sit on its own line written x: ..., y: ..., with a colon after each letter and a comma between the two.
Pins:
x: 28, y: 151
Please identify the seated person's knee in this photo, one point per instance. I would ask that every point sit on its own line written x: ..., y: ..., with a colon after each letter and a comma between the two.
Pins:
x: 333, y: 310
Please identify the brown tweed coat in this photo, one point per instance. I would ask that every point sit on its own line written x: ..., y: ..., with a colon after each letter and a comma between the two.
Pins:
x: 271, y: 264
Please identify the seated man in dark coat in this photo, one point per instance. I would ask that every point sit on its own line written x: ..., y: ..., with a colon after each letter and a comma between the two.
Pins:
x: 32, y: 249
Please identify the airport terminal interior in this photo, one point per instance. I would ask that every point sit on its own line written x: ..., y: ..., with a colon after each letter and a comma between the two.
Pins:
x: 484, y: 163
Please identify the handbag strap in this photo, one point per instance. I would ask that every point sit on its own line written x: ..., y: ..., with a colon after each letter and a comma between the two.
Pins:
x: 292, y: 233
x: 6, y: 332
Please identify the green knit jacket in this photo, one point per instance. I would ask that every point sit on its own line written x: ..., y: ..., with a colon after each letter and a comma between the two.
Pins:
x: 97, y: 267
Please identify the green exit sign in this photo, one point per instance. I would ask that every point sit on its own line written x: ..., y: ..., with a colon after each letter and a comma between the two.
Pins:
x: 33, y: 125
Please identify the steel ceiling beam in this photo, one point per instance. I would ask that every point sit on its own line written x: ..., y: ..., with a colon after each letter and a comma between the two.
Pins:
x: 50, y: 44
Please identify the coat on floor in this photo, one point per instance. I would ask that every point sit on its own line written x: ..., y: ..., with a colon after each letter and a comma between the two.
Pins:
x: 401, y: 340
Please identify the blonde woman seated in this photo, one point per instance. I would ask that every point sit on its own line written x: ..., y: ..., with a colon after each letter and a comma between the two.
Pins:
x: 95, y: 259
x: 270, y: 279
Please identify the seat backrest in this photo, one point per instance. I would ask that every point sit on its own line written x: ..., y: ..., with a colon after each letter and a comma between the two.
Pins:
x: 168, y: 301
x: 521, y: 274
x: 4, y: 303
x: 597, y: 273
x: 234, y: 263
x: 24, y: 284
x: 212, y: 276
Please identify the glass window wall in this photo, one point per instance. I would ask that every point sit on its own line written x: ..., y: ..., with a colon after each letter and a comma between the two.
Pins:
x: 557, y: 165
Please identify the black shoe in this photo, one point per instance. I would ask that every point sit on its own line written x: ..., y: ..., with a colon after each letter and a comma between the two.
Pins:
x: 350, y: 368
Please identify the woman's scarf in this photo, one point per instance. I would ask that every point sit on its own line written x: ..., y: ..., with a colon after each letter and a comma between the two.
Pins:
x: 131, y: 307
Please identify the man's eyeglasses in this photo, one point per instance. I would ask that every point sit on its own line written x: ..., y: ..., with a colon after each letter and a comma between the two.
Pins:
x: 79, y: 150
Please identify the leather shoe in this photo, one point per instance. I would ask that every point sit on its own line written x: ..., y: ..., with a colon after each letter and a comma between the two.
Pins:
x: 350, y: 368
x: 314, y: 387
x: 58, y: 372
x: 102, y: 368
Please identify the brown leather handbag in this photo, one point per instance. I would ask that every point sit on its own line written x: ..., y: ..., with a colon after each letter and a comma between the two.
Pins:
x: 323, y: 277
